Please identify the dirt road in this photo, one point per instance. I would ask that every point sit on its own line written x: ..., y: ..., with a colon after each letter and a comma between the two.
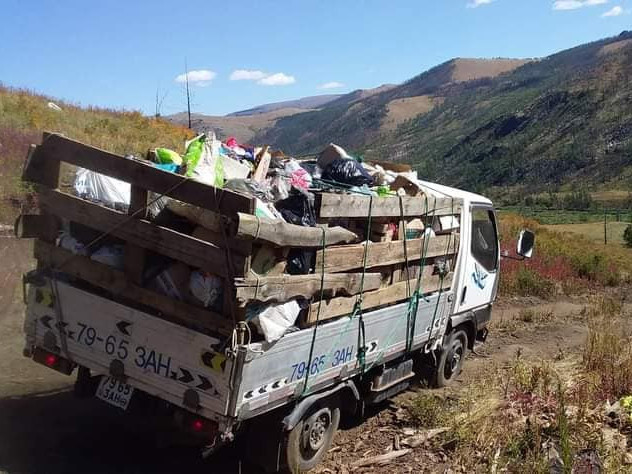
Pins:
x: 43, y: 428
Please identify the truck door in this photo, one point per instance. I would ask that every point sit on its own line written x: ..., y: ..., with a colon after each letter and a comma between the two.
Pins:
x: 479, y: 281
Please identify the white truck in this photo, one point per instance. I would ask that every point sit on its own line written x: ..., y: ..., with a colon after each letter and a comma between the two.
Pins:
x: 295, y: 389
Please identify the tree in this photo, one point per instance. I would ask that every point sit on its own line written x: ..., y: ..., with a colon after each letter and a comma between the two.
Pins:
x: 627, y: 235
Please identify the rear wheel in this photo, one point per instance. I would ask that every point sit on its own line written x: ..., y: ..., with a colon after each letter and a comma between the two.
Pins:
x: 451, y: 359
x: 307, y: 444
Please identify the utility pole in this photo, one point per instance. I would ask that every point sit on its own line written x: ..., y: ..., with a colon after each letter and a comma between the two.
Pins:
x: 186, y: 76
x: 605, y: 226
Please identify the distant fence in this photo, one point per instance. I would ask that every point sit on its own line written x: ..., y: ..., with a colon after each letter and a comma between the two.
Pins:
x: 554, y: 216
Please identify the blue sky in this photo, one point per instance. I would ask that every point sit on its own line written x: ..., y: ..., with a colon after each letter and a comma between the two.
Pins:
x: 117, y: 53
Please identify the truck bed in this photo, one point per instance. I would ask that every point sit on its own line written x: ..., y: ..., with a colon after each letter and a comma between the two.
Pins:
x: 167, y: 360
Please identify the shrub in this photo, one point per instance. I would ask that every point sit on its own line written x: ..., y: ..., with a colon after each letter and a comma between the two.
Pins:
x: 429, y: 411
x: 608, y: 350
x: 627, y: 235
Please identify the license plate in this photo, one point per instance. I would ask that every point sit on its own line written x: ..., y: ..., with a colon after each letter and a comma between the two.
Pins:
x: 114, y: 392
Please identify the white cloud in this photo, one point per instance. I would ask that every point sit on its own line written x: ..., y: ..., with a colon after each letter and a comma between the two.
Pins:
x: 331, y: 85
x: 478, y: 3
x: 614, y: 11
x: 247, y: 75
x: 201, y: 77
x: 263, y: 78
x: 278, y: 79
x: 576, y: 4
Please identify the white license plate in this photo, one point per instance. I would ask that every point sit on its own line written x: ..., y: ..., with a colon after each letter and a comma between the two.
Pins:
x: 114, y: 392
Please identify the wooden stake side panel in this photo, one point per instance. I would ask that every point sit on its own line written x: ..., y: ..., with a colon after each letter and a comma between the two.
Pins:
x: 371, y: 300
x: 285, y: 287
x: 118, y: 284
x: 333, y: 205
x: 42, y: 167
x: 190, y: 250
x: 349, y: 257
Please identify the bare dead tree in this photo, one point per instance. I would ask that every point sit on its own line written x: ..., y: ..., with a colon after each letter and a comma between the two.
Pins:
x: 159, y: 101
x: 186, y: 76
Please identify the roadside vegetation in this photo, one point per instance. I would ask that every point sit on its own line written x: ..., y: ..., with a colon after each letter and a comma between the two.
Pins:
x: 25, y: 115
x: 559, y: 415
x: 563, y: 263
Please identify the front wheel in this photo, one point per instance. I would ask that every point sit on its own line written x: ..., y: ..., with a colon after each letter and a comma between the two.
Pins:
x: 451, y: 359
x: 308, y: 442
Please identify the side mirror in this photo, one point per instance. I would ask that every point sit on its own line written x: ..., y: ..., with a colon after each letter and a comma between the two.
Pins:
x: 526, y: 242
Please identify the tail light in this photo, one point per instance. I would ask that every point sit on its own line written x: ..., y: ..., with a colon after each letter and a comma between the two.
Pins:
x: 195, y: 424
x: 53, y: 361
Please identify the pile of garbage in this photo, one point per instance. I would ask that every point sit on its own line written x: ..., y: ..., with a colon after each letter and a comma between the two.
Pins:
x: 284, y: 191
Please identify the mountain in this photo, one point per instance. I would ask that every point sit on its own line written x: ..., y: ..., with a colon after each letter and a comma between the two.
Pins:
x: 355, y: 121
x: 560, y: 121
x: 304, y: 103
x: 245, y: 125
x: 563, y: 120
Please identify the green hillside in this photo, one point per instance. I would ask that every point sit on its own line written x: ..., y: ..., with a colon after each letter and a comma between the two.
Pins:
x: 559, y: 121
x: 24, y: 116
x: 564, y: 119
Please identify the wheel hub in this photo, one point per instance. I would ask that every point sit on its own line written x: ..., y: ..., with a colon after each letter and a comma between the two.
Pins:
x: 317, y: 430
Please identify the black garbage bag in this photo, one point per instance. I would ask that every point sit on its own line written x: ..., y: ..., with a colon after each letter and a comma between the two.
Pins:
x: 298, y: 209
x: 344, y: 170
x: 299, y: 261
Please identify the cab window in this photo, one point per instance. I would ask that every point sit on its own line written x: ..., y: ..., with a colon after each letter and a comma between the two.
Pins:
x: 484, y: 239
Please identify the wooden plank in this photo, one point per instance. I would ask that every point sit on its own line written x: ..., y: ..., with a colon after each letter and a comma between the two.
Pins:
x: 41, y: 169
x: 56, y: 148
x: 397, y: 292
x: 285, y: 287
x: 42, y: 226
x: 341, y: 258
x: 282, y: 234
x: 333, y: 205
x: 264, y: 163
x: 134, y: 256
x: 116, y: 282
x: 242, y: 247
x: 181, y: 247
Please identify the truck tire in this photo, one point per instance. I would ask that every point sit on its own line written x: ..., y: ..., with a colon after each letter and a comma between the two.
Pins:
x: 450, y: 363
x: 308, y: 442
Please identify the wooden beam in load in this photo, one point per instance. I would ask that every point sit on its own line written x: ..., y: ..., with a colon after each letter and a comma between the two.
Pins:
x: 57, y: 148
x: 332, y: 205
x: 341, y: 258
x: 394, y: 293
x: 134, y: 256
x: 240, y: 246
x: 42, y: 169
x: 42, y: 226
x: 282, y: 234
x: 285, y: 287
x: 117, y: 283
x: 181, y: 247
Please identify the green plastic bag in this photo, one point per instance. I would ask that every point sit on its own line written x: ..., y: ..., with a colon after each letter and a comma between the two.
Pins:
x: 166, y: 156
x: 194, y: 153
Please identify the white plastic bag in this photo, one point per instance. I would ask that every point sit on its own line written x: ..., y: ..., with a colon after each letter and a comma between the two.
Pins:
x: 111, y: 255
x: 206, y: 288
x: 275, y: 319
x: 68, y: 242
x: 102, y: 188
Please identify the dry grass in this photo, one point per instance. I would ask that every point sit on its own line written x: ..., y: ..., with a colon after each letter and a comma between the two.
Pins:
x: 594, y: 231
x: 400, y: 110
x: 25, y: 115
x: 532, y: 414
